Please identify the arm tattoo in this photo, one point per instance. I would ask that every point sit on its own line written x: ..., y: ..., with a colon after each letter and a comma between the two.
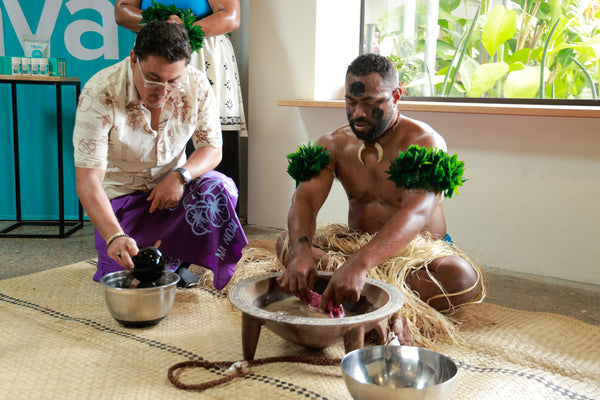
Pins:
x: 303, y: 239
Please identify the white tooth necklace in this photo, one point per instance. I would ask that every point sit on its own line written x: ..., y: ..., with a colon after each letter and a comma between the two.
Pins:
x: 377, y: 145
x: 379, y: 153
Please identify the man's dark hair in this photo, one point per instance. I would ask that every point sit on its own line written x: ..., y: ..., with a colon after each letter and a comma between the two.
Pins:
x: 367, y: 64
x: 165, y: 39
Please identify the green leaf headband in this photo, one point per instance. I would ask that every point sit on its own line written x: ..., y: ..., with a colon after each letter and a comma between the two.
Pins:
x: 162, y: 12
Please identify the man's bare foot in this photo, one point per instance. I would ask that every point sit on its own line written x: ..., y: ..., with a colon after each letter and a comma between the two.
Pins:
x: 398, y: 330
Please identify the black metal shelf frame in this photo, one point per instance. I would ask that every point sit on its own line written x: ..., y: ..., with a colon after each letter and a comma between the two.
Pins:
x: 65, y: 227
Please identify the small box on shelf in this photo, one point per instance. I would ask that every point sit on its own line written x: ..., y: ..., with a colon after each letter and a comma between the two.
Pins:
x: 36, y: 66
x: 10, y: 65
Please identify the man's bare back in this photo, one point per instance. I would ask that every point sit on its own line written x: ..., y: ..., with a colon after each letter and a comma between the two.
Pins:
x: 372, y: 197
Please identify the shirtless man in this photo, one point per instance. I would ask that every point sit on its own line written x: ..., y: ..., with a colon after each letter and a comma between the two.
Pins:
x: 376, y: 205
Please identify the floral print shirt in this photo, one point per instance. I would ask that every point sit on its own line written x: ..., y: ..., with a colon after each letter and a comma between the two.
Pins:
x: 113, y: 133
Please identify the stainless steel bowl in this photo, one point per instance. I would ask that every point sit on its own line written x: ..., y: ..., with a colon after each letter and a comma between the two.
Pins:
x: 398, y: 372
x: 140, y: 306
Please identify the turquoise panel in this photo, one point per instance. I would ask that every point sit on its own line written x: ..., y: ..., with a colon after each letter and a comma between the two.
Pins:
x: 85, y: 34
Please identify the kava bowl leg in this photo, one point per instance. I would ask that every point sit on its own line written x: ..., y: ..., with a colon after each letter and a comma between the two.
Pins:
x: 354, y: 339
x: 250, y: 333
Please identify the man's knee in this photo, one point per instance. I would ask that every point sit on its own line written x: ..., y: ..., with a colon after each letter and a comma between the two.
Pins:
x: 455, y: 272
x: 215, y: 184
x: 457, y: 277
x: 218, y: 179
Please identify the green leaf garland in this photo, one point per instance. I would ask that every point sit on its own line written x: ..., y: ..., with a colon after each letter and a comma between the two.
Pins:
x: 307, y: 161
x: 427, y: 168
x: 162, y: 12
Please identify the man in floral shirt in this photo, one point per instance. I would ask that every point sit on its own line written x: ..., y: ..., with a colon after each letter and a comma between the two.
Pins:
x: 133, y: 179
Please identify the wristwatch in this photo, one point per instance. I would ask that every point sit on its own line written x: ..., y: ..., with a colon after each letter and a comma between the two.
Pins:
x: 185, y: 175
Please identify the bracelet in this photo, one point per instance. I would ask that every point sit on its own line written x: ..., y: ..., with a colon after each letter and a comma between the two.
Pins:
x: 114, y: 237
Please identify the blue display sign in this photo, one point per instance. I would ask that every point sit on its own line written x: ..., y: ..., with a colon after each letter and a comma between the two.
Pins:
x: 85, y: 34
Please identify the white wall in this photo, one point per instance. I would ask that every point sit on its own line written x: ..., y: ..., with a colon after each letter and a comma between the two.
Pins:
x: 282, y: 65
x: 530, y: 204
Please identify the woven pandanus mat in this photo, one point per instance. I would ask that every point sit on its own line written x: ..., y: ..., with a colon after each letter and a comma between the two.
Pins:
x: 58, y: 341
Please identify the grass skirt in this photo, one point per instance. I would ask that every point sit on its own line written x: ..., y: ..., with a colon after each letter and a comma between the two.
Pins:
x: 425, y: 324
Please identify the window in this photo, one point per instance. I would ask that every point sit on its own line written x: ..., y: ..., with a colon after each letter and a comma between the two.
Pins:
x: 489, y: 50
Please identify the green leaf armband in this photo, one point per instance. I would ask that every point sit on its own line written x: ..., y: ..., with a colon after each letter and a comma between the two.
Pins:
x: 427, y: 168
x: 307, y: 161
x: 162, y: 12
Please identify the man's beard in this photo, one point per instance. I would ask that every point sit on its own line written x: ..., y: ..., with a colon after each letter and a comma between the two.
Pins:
x: 371, y: 135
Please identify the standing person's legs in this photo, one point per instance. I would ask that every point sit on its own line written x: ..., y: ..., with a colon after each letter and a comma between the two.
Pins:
x: 217, y: 59
x: 230, y: 164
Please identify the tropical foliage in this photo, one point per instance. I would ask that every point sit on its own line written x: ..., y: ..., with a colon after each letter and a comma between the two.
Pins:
x: 514, y: 49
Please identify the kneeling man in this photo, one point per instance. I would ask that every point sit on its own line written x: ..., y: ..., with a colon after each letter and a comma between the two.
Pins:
x: 395, y: 172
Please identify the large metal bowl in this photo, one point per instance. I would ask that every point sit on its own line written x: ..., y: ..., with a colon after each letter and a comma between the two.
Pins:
x: 140, y: 306
x: 378, y: 301
x: 398, y: 372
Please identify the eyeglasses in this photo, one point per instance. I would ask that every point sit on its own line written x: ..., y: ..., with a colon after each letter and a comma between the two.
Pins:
x: 171, y: 87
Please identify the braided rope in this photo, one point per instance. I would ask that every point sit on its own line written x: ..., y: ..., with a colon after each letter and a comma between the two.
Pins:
x: 237, y: 369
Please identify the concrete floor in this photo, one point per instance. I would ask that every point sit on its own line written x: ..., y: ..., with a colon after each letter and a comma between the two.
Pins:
x: 520, y: 291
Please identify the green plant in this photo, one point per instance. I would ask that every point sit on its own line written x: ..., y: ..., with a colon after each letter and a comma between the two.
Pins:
x: 539, y: 48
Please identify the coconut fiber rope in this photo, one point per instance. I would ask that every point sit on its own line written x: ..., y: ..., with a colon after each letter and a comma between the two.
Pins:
x: 236, y: 369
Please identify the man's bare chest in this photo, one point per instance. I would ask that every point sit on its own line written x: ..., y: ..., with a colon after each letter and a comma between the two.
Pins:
x: 370, y: 187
